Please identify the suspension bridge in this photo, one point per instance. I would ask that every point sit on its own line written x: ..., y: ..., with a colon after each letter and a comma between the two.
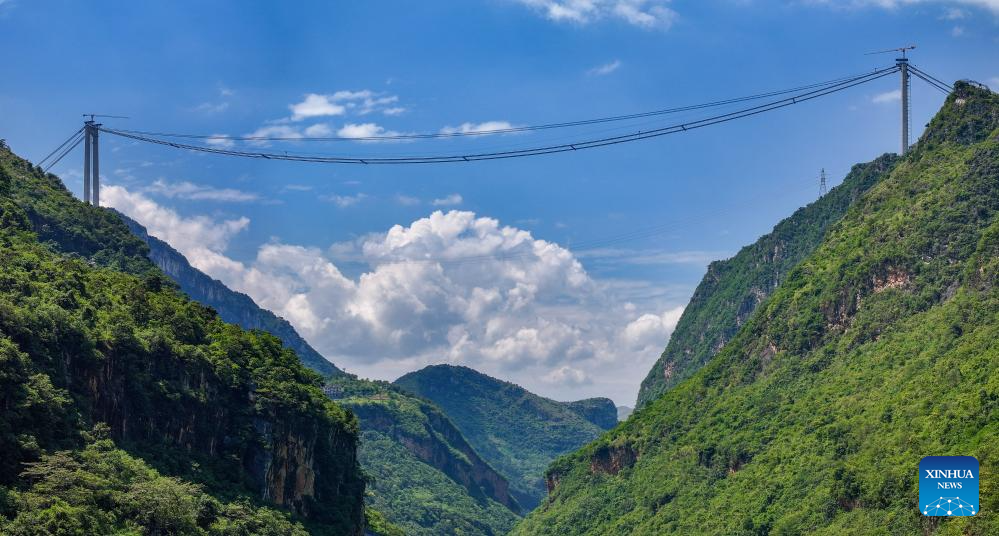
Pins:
x: 749, y: 106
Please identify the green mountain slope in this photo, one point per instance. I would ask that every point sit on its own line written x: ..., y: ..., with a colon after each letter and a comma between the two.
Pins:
x: 517, y: 432
x: 732, y: 289
x: 232, y: 306
x: 876, y: 350
x: 424, y: 475
x: 91, y: 333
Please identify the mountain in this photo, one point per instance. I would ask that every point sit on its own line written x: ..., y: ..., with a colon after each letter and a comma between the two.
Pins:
x: 234, y: 307
x: 129, y: 408
x: 425, y: 477
x: 515, y: 431
x: 732, y: 289
x: 877, y: 349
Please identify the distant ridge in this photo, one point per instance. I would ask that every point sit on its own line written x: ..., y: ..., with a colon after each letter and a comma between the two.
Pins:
x: 232, y: 306
x: 516, y: 431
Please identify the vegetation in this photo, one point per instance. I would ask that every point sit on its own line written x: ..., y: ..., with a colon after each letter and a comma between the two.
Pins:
x: 424, y: 477
x: 876, y: 350
x: 91, y: 332
x: 732, y: 289
x: 514, y: 430
x: 103, y: 490
x: 232, y: 306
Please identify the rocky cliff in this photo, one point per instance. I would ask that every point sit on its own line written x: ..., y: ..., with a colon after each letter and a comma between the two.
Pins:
x: 232, y: 306
x: 733, y: 289
x: 878, y: 348
x: 92, y: 333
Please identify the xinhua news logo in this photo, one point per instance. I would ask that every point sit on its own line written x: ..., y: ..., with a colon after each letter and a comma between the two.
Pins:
x: 948, y: 486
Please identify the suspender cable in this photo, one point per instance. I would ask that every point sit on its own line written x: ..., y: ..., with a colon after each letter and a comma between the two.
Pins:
x: 533, y: 151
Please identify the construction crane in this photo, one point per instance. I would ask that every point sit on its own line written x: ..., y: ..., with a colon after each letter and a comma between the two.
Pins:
x: 903, y: 68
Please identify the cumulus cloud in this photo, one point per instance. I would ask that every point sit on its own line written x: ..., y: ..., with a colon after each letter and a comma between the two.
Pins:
x: 651, y: 331
x: 605, y: 69
x: 448, y: 200
x: 888, y: 96
x: 201, y: 239
x: 477, y: 128
x: 566, y: 375
x: 361, y: 102
x: 318, y: 130
x: 315, y: 105
x: 364, y: 130
x: 450, y: 287
x: 642, y: 13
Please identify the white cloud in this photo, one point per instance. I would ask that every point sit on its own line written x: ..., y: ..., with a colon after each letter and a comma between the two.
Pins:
x: 364, y: 130
x: 888, y: 96
x: 568, y: 376
x: 198, y: 192
x: 220, y: 140
x: 201, y: 239
x: 361, y: 102
x: 275, y: 131
x: 318, y: 130
x: 451, y: 287
x: 315, y: 105
x: 448, y: 201
x: 642, y: 13
x: 957, y: 31
x: 344, y: 201
x: 954, y: 14
x: 406, y: 200
x: 651, y: 331
x: 993, y: 83
x: 605, y: 69
x: 477, y: 128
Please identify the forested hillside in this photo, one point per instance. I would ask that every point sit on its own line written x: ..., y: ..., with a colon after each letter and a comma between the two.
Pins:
x: 424, y: 475
x: 517, y: 432
x: 129, y: 408
x: 232, y: 306
x: 732, y: 289
x: 879, y: 348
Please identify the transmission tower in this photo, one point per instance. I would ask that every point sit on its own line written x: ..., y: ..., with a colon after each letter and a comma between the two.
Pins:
x: 822, y: 183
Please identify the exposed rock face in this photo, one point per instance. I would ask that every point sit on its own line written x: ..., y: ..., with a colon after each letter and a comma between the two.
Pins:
x: 279, y: 457
x: 436, y: 446
x: 733, y: 289
x: 612, y: 459
x: 599, y: 411
x: 517, y: 432
x: 232, y: 306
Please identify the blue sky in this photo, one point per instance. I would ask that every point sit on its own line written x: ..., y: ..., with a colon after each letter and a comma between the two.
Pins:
x: 319, y: 244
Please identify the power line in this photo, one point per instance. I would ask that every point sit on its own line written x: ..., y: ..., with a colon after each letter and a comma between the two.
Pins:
x: 510, y: 130
x: 533, y: 151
